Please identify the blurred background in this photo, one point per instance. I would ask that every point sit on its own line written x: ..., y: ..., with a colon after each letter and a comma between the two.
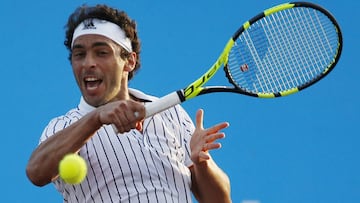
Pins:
x: 300, y: 148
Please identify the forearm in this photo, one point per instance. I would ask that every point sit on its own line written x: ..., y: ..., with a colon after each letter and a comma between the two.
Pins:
x: 210, y: 183
x: 42, y: 167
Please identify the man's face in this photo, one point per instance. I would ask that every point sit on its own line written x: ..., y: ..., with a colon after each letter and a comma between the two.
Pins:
x: 98, y: 68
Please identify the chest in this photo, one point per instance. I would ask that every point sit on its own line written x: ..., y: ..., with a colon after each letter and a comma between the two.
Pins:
x: 161, y: 143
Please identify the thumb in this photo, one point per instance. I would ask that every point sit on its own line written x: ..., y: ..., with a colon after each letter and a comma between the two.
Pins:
x: 200, y: 119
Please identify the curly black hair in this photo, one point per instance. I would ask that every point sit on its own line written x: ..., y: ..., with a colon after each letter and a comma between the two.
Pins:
x: 110, y: 14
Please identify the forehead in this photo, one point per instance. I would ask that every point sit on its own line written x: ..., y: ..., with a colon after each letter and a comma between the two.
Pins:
x: 90, y: 40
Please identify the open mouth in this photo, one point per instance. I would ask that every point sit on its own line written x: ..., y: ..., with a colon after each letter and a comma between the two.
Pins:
x: 91, y: 83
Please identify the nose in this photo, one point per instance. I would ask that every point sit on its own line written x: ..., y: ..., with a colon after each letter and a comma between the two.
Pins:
x: 89, y: 61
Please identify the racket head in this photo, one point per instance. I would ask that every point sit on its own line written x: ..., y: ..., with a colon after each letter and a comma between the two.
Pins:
x: 283, y: 50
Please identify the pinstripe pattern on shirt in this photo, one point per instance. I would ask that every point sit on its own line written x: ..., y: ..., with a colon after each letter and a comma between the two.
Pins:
x: 151, y: 166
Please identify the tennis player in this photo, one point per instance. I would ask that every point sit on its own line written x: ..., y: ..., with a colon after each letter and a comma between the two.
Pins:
x: 164, y: 158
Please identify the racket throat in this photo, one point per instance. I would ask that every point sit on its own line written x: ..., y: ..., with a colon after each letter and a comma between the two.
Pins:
x: 181, y: 96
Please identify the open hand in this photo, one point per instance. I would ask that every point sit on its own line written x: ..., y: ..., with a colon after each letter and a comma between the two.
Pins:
x: 204, y: 140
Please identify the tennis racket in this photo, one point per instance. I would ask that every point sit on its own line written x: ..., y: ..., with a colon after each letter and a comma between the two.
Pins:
x: 280, y: 51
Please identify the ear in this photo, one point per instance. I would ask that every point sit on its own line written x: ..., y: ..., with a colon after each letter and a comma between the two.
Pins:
x: 131, y: 62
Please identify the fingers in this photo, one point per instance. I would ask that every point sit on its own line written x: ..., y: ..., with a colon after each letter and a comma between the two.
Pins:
x: 203, y: 156
x: 205, y: 140
x: 218, y: 127
x: 211, y: 134
x: 200, y: 123
x: 126, y: 115
x: 210, y: 146
x: 213, y: 137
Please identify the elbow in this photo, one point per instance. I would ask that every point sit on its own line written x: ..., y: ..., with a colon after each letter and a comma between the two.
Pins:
x: 35, y: 176
x: 226, y: 195
x: 222, y: 196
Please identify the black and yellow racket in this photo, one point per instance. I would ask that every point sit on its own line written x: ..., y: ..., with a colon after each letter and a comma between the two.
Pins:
x: 281, y: 51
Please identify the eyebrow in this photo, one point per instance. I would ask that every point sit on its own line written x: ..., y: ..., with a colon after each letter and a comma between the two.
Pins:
x: 95, y: 44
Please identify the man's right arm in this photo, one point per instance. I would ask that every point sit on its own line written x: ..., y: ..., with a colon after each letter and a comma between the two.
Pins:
x: 42, y: 167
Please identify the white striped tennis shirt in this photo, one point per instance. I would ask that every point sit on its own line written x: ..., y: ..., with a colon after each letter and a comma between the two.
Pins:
x: 132, y: 167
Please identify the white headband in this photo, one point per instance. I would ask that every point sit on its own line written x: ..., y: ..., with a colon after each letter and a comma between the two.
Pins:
x: 104, y: 28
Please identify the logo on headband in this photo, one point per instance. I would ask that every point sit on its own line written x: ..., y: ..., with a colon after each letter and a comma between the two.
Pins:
x: 88, y: 24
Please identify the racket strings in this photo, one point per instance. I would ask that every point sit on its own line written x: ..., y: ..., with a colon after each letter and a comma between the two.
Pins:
x: 282, y: 51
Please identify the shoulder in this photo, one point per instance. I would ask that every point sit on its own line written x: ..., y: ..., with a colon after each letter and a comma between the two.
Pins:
x: 60, y: 122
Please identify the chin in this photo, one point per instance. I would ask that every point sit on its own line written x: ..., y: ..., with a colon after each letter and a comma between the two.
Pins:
x: 93, y: 101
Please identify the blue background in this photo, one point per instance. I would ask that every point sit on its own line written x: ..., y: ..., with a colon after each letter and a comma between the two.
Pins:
x: 300, y: 148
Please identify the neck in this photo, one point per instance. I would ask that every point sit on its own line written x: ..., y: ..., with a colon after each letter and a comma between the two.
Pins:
x: 123, y: 93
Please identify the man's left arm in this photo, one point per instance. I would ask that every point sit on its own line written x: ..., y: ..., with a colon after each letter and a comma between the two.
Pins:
x: 209, y: 182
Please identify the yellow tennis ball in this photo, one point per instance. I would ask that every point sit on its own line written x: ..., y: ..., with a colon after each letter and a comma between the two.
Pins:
x: 72, y: 168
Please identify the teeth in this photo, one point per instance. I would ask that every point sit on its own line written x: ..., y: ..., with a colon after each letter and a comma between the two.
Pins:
x: 90, y: 79
x: 92, y: 83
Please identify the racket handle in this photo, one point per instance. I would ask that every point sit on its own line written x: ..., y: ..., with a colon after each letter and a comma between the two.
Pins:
x: 162, y: 104
x: 159, y: 105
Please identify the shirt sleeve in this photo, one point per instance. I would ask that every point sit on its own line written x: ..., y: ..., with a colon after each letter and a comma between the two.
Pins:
x: 55, y: 125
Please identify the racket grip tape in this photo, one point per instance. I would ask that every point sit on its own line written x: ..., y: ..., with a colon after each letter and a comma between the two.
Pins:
x: 163, y: 103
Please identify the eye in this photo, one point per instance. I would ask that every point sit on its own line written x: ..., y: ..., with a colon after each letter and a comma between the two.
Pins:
x: 77, y: 54
x: 102, y: 53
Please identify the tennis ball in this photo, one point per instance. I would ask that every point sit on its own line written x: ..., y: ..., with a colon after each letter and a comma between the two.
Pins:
x: 72, y: 168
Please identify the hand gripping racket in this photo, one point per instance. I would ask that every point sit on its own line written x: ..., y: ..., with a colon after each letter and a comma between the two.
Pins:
x: 281, y: 51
